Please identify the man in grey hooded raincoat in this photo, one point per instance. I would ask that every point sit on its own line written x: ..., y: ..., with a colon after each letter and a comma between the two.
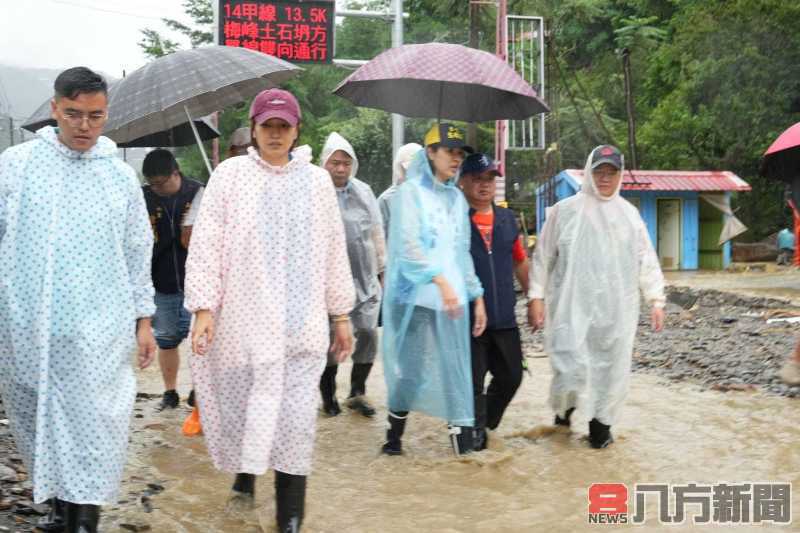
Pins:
x: 366, y: 251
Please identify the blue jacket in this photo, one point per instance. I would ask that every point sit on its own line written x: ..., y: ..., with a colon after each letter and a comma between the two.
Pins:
x: 495, y: 268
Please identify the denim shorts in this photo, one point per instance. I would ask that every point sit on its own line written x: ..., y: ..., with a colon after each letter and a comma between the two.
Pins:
x: 172, y: 321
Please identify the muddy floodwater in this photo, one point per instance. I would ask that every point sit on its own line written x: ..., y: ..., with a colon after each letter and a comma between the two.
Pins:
x: 532, y: 479
x: 783, y: 283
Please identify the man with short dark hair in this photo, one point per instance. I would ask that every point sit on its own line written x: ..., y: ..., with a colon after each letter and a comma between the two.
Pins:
x: 169, y: 196
x: 499, y: 255
x: 75, y: 300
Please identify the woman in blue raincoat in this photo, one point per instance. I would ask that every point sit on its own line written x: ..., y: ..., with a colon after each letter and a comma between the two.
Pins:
x: 430, y: 281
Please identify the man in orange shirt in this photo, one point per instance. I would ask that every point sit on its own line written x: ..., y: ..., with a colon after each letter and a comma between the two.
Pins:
x: 499, y: 255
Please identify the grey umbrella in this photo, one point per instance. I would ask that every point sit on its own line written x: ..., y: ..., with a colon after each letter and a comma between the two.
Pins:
x: 174, y: 88
x: 156, y: 96
x: 190, y: 83
x: 180, y: 135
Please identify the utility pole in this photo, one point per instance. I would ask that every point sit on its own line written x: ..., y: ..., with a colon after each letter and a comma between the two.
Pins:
x: 626, y: 67
x: 398, y: 125
x: 396, y: 15
x: 500, y: 125
x: 474, y: 10
x: 11, y: 130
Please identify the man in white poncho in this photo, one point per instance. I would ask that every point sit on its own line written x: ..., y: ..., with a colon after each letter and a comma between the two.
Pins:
x: 366, y: 252
x: 592, y: 264
x: 75, y: 300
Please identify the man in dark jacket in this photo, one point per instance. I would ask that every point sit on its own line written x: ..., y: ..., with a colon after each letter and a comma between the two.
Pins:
x: 169, y: 197
x: 499, y: 255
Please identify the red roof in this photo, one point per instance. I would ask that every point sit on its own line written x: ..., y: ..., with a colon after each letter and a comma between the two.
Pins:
x: 677, y: 180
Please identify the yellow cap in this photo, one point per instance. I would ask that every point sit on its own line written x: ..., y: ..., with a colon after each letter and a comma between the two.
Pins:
x: 446, y: 135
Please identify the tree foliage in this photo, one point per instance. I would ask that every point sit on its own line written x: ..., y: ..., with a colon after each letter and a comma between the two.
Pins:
x: 714, y: 82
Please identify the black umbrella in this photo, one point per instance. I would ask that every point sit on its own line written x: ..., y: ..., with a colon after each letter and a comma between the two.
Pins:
x: 180, y: 135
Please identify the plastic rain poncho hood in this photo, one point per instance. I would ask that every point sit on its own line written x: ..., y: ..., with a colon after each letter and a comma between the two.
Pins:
x: 427, y: 363
x: 75, y: 251
x: 592, y: 263
x: 405, y: 154
x: 365, y: 241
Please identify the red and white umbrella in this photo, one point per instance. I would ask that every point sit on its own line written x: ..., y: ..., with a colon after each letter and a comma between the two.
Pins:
x: 781, y: 161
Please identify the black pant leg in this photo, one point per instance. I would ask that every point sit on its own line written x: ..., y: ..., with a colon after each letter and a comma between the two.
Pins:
x: 505, y: 365
x: 479, y: 347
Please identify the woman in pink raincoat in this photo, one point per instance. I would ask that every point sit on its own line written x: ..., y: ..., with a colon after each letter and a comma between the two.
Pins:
x: 266, y: 274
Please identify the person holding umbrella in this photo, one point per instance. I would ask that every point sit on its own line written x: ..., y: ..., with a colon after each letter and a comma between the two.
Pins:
x: 592, y: 264
x: 781, y: 162
x: 264, y: 295
x: 429, y: 284
x: 75, y: 300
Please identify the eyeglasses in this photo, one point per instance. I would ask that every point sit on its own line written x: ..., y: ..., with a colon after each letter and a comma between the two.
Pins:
x: 76, y: 118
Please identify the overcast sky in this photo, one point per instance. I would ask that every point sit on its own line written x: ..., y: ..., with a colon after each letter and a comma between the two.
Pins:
x: 99, y: 34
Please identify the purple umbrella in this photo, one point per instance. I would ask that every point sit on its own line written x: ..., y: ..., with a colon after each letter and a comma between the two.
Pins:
x: 445, y: 81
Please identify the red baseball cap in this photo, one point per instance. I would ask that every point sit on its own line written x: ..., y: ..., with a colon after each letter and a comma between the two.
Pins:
x: 275, y: 103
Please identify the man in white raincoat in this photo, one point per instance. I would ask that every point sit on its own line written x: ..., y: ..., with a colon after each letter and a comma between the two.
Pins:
x: 399, y: 167
x: 75, y: 299
x: 366, y: 251
x: 592, y: 263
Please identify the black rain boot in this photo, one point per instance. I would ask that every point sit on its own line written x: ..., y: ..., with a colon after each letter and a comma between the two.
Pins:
x: 170, y: 400
x: 245, y: 483
x: 55, y: 521
x: 599, y: 434
x: 327, y: 388
x: 81, y: 518
x: 480, y: 437
x: 565, y: 421
x: 358, y: 388
x: 394, y: 435
x: 461, y: 437
x: 242, y: 499
x: 290, y: 497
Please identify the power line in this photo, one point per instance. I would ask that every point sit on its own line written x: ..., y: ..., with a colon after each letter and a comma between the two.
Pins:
x: 104, y: 10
